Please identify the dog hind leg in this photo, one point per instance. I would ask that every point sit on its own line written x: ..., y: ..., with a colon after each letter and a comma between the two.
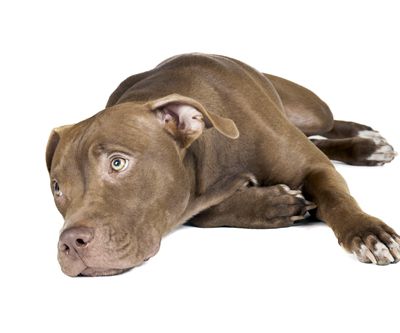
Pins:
x: 344, y: 141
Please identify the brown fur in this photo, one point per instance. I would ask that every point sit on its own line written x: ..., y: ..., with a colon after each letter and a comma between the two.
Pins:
x: 214, y: 174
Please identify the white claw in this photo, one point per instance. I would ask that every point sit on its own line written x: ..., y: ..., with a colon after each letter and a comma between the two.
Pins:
x: 371, y: 257
x: 285, y: 187
x: 296, y: 218
x: 294, y: 192
x: 382, y: 252
x: 252, y: 180
x: 365, y: 254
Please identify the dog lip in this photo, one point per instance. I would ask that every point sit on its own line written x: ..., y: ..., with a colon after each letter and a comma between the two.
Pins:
x: 72, y: 268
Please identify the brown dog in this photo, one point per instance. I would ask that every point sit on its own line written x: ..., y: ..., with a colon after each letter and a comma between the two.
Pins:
x: 208, y: 139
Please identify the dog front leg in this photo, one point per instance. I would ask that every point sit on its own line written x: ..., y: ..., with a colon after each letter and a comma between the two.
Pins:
x: 256, y: 207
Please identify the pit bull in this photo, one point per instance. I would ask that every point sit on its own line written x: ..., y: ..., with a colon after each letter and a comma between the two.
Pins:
x: 209, y: 140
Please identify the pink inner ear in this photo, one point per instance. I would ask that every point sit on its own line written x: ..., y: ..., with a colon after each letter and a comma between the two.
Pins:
x: 167, y: 117
x: 188, y: 118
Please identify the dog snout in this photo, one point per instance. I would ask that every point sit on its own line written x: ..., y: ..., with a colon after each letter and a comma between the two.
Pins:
x: 75, y: 239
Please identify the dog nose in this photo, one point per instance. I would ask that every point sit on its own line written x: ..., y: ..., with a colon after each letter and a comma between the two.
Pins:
x: 76, y: 238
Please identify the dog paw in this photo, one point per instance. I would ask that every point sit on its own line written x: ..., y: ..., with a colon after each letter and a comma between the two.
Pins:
x: 376, y: 243
x: 283, y: 206
x: 381, y: 151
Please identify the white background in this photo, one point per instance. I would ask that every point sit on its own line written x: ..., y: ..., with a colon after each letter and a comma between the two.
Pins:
x: 60, y: 60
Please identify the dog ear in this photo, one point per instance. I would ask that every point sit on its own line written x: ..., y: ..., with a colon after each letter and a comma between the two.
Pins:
x: 52, y: 143
x: 185, y: 119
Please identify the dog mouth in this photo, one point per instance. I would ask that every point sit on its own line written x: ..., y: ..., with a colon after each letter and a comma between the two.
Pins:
x: 80, y: 266
x: 79, y: 262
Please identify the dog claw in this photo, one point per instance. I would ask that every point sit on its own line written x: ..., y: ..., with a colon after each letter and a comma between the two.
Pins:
x: 294, y: 192
x: 296, y: 218
x: 252, y: 181
x: 364, y: 254
x: 310, y: 205
x: 285, y: 187
x: 371, y: 257
x: 394, y: 248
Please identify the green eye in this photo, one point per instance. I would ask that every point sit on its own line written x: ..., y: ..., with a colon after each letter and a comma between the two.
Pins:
x: 119, y: 163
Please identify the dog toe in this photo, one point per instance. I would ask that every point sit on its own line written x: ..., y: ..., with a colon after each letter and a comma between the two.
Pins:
x: 373, y: 135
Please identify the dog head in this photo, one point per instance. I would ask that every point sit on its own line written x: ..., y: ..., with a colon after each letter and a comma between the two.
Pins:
x: 120, y: 182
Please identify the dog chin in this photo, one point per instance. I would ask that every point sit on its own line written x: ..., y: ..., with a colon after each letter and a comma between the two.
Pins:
x: 89, y: 271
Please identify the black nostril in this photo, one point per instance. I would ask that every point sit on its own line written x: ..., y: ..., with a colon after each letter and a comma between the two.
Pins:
x: 80, y: 242
x: 64, y: 248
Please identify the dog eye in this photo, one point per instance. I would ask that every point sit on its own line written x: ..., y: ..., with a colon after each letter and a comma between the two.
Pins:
x: 56, y: 189
x: 119, y: 164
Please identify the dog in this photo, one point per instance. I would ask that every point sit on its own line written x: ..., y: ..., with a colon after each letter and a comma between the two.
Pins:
x: 209, y: 140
